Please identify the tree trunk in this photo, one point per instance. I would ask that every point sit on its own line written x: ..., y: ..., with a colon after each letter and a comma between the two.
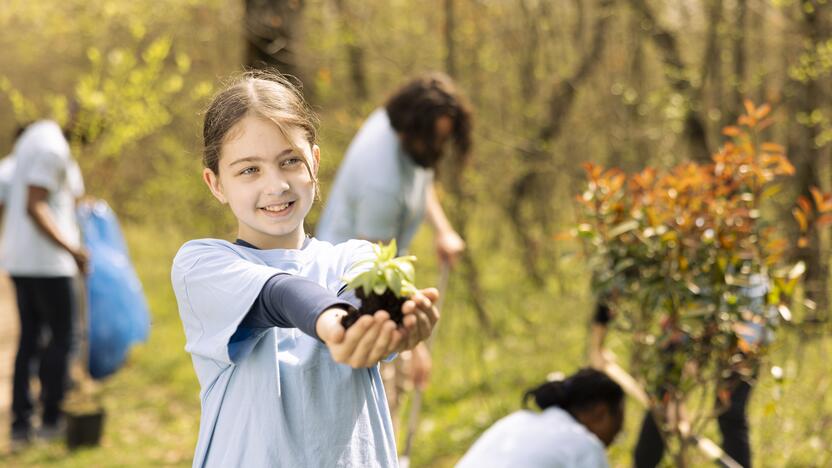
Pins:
x: 739, y: 91
x: 271, y: 30
x: 355, y: 53
x: 807, y: 157
x: 528, y: 83
x: 711, y: 73
x: 459, y: 214
x: 676, y: 72
x: 450, y: 26
x: 563, y: 94
x: 634, y: 122
x: 462, y: 199
x: 533, y: 188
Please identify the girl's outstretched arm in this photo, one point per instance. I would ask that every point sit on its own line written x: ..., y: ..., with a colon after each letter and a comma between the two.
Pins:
x: 289, y: 301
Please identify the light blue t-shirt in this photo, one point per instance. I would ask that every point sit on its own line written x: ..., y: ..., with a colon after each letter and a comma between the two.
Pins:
x: 379, y: 193
x: 274, y: 397
x: 549, y: 439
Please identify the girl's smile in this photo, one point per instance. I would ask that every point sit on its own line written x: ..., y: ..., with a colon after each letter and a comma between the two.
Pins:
x: 278, y: 210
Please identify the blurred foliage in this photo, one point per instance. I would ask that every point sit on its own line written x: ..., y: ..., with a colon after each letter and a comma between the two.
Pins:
x: 700, y: 278
x: 815, y: 64
x: 141, y: 80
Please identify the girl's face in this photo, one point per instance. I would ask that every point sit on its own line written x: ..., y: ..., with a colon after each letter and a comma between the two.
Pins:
x: 266, y: 183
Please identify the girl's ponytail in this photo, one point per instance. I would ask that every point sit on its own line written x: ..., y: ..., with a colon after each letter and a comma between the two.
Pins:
x: 579, y: 391
x: 555, y: 393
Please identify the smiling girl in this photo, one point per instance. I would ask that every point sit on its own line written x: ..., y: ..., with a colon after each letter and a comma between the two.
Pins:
x: 282, y: 382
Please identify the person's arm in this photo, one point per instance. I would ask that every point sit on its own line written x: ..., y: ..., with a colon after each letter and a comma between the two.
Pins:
x: 38, y: 209
x: 449, y: 245
x: 421, y: 365
x: 597, y: 335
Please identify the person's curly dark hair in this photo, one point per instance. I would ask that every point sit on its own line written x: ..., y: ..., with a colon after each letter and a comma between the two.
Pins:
x: 414, y: 109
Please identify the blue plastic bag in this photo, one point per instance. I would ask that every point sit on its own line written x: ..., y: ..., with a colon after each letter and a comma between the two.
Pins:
x: 118, y: 315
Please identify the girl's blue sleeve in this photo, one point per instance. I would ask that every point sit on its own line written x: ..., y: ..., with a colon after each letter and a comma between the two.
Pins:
x: 289, y: 301
x: 215, y: 288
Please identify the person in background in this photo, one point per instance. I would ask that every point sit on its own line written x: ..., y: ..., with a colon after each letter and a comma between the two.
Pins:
x: 384, y: 188
x: 42, y: 251
x: 581, y: 415
x: 731, y: 403
x: 6, y: 172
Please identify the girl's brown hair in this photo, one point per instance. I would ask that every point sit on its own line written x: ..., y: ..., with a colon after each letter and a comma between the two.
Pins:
x: 262, y: 93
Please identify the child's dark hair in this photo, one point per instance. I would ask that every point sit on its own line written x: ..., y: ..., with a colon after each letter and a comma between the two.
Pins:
x: 577, y: 392
x: 414, y: 108
x: 264, y: 94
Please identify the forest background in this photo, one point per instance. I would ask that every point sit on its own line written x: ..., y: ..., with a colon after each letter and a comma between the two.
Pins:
x: 553, y: 84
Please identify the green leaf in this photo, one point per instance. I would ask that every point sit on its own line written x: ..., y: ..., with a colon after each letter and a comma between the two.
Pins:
x: 394, y: 281
x: 385, y: 272
x: 379, y: 287
x: 367, y: 285
x: 407, y: 270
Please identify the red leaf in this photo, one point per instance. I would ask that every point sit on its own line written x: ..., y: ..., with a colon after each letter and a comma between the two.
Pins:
x: 773, y: 148
x: 731, y: 131
x: 762, y: 111
x: 805, y: 206
x: 818, y: 197
x: 824, y: 220
x: 749, y: 107
x: 801, y: 219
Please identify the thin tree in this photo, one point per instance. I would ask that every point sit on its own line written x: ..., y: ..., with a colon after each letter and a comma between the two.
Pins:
x: 355, y: 53
x: 803, y: 147
x: 532, y: 189
x: 677, y: 74
x: 271, y: 29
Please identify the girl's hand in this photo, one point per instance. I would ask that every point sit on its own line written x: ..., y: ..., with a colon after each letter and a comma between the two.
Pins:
x: 420, y: 316
x: 367, y: 341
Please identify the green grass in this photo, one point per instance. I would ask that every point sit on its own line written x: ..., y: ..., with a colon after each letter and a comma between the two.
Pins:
x: 153, y: 408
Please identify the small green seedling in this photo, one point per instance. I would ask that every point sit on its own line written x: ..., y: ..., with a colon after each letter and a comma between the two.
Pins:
x: 384, y: 282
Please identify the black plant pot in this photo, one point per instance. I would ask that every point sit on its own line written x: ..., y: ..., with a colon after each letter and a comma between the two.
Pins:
x: 83, y: 429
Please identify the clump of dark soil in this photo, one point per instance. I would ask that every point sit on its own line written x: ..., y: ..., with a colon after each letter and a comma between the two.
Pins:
x: 371, y: 304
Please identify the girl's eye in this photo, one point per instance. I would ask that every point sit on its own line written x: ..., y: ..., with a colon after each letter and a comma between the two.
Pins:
x: 249, y: 171
x: 289, y: 162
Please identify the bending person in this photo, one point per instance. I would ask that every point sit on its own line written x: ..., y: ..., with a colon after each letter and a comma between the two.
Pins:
x: 581, y: 416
